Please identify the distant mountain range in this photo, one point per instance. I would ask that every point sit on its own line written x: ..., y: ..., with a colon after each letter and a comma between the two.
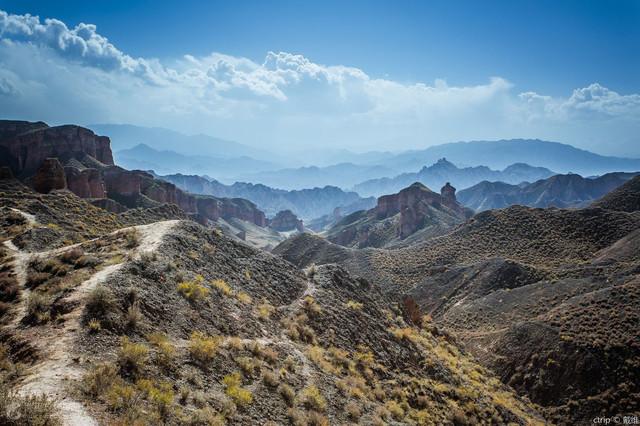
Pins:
x: 555, y: 156
x: 344, y: 175
x: 125, y: 136
x: 444, y: 171
x: 143, y: 157
x: 306, y: 204
x: 570, y: 190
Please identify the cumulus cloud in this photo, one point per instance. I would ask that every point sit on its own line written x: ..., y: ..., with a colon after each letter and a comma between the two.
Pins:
x: 82, y: 43
x: 286, y: 99
x: 587, y: 103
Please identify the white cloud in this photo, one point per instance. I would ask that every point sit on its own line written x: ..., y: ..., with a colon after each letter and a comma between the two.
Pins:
x: 587, y: 103
x: 61, y: 74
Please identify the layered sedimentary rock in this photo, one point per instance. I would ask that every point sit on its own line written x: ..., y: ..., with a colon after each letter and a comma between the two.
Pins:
x: 396, y: 217
x: 85, y: 183
x: 285, y: 220
x: 75, y: 158
x: 214, y: 208
x: 24, y: 146
x: 49, y: 176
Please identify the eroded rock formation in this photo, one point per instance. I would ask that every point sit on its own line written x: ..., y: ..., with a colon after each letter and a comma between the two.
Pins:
x: 285, y: 220
x: 49, y: 176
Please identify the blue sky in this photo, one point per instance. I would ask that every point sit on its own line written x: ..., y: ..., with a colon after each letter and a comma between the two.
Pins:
x: 369, y: 75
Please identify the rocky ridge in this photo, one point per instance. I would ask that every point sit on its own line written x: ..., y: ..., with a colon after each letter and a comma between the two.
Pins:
x: 74, y: 158
x: 397, y: 217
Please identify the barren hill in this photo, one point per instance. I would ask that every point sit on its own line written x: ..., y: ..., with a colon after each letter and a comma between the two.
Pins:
x: 170, y: 322
x: 543, y: 297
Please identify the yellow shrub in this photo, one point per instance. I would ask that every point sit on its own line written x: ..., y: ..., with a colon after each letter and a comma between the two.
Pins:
x: 235, y: 343
x: 356, y: 306
x: 244, y: 298
x: 247, y: 365
x: 238, y: 394
x: 313, y: 399
x: 317, y: 355
x: 121, y: 396
x: 222, y: 287
x: 132, y: 356
x: 264, y: 310
x: 311, y: 306
x: 94, y: 326
x: 161, y: 396
x: 203, y: 348
x: 166, y: 351
x: 193, y: 290
x: 395, y: 409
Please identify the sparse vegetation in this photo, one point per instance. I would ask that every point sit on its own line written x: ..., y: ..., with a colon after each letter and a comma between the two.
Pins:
x: 132, y: 238
x: 38, y: 306
x: 16, y: 410
x: 235, y: 391
x: 100, y: 302
x: 203, y: 348
x: 244, y: 298
x: 264, y: 310
x: 166, y: 351
x: 287, y: 393
x: 222, y: 287
x: 356, y: 306
x: 132, y: 356
x: 194, y: 290
x: 312, y: 398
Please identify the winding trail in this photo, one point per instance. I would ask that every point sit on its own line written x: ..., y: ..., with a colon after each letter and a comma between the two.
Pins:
x: 56, y: 365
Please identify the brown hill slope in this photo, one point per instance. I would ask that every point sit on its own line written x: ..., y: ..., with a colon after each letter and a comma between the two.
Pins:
x: 625, y: 198
x: 524, y: 289
x: 173, y: 323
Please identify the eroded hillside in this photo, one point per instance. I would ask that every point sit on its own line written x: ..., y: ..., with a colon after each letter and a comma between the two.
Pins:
x: 543, y: 297
x: 173, y: 323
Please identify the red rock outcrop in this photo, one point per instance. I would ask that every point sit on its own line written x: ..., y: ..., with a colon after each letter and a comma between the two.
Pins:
x: 36, y: 152
x: 227, y: 208
x: 5, y: 172
x: 285, y: 220
x: 448, y: 194
x: 24, y: 146
x: 119, y: 181
x: 50, y: 176
x: 85, y: 183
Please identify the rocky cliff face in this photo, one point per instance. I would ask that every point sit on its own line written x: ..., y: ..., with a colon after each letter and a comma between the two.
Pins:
x: 85, y: 183
x: 25, y: 146
x: 397, y: 217
x: 75, y: 158
x: 50, y: 176
x: 413, y: 203
x: 285, y: 220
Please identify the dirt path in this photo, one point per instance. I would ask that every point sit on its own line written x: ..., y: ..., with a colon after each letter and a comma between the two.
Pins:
x: 57, y: 366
